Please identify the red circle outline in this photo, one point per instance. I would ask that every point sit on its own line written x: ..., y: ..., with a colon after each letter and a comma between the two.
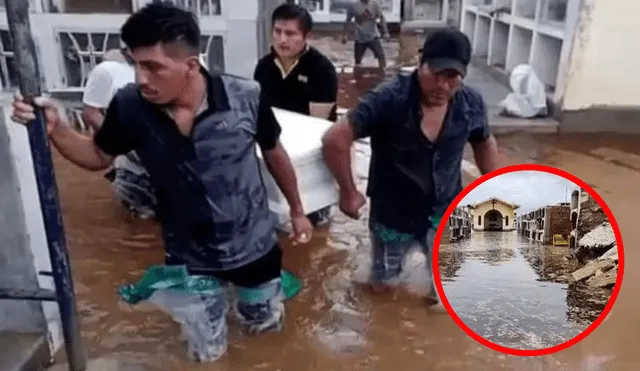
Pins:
x: 590, y: 328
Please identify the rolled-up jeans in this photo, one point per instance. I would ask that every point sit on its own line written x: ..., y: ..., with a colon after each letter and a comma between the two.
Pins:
x: 259, y: 306
x: 389, y: 250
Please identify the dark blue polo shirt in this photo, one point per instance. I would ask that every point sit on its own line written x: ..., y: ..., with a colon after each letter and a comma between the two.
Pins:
x: 410, y: 177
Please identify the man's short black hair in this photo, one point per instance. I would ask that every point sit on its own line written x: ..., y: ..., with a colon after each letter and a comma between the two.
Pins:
x: 161, y: 22
x: 290, y: 12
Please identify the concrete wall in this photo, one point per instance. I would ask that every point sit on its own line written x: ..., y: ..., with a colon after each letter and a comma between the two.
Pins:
x: 265, y: 8
x: 482, y: 209
x: 601, y: 89
x: 241, y: 41
x: 412, y: 21
x: 16, y: 270
x: 23, y: 252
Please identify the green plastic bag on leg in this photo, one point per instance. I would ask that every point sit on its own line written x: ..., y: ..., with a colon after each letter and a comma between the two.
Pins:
x: 176, y: 277
x: 191, y: 300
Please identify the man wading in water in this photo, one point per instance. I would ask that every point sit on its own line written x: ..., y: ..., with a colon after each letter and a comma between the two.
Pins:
x: 419, y: 125
x: 196, y: 134
x: 296, y: 76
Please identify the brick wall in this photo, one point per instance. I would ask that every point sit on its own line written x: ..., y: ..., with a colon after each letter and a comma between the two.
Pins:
x: 559, y: 220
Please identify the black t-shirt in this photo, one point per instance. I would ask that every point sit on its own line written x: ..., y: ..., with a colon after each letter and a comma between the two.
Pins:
x: 312, y: 80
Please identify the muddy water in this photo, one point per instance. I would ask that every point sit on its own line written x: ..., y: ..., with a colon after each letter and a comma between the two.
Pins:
x: 334, y: 324
x: 516, y: 293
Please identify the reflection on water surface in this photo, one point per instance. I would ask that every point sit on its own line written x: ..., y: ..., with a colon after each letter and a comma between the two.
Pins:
x: 517, y: 293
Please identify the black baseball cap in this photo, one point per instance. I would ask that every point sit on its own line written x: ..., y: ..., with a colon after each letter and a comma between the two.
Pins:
x: 447, y: 49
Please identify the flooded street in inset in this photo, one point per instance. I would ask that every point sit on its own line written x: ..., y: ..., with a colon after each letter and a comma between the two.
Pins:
x: 517, y: 293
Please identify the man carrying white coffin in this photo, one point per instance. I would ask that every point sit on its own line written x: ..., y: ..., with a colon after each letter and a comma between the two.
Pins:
x: 419, y: 126
x: 196, y: 133
x: 295, y: 76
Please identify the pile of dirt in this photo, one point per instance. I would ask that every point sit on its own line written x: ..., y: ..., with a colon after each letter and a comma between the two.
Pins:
x: 595, y: 242
x: 597, y: 247
x: 600, y: 248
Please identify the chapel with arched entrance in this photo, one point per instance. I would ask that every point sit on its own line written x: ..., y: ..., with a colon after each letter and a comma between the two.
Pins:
x: 494, y: 214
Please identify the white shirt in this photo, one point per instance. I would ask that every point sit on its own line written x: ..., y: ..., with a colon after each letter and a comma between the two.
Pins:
x: 104, y: 81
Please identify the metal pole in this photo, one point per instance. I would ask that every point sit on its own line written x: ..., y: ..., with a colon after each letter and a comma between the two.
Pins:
x: 27, y: 65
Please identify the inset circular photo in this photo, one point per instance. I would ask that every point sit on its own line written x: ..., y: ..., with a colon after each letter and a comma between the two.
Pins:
x: 528, y: 260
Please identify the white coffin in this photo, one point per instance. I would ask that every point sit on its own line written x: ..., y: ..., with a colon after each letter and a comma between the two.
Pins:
x: 302, y: 138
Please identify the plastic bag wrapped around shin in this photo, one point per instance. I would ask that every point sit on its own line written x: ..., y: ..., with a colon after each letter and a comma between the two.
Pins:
x: 202, y: 320
x: 198, y: 303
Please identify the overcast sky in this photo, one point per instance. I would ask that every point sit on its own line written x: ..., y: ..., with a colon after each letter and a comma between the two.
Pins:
x: 529, y: 189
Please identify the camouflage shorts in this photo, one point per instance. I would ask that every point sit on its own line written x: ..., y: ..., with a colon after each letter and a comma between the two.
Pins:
x: 134, y: 191
x: 389, y: 249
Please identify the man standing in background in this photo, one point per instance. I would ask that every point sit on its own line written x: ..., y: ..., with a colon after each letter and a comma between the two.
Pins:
x: 129, y: 180
x: 366, y: 35
x: 295, y: 76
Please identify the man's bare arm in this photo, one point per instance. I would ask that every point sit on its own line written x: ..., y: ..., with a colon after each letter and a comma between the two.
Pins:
x: 336, y: 149
x: 79, y: 149
x: 487, y: 155
x: 280, y: 166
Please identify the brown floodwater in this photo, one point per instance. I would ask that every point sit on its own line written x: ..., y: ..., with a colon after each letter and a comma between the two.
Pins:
x: 333, y: 324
